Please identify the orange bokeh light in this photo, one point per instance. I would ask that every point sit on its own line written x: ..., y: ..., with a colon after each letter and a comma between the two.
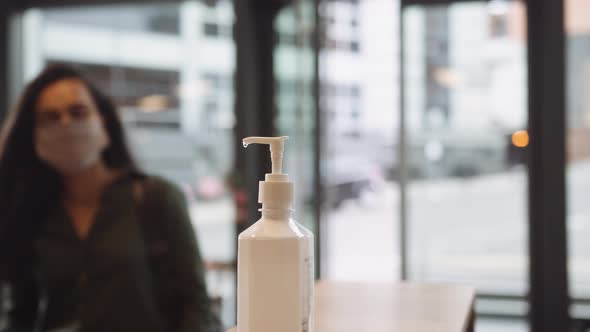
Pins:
x: 520, y: 138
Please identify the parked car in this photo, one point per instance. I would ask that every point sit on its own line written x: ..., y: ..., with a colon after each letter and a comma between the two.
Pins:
x: 347, y: 178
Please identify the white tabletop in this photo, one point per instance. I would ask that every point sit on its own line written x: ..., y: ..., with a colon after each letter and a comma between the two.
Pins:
x: 399, y: 307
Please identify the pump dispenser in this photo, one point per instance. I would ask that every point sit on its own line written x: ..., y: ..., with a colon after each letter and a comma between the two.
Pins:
x: 276, y: 192
x: 275, y: 257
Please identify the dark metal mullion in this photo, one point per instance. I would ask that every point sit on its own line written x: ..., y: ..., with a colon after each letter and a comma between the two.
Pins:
x: 254, y: 36
x: 548, y: 296
x: 317, y: 180
x: 244, y: 104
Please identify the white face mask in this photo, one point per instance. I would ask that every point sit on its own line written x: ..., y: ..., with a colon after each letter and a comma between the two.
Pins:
x: 72, y: 147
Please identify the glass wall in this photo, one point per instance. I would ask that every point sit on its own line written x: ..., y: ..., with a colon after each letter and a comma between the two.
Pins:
x: 465, y: 95
x: 577, y: 28
x: 359, y: 73
x: 169, y: 68
x: 294, y: 71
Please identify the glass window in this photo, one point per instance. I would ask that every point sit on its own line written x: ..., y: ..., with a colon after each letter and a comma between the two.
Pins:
x: 294, y: 68
x: 577, y: 28
x: 153, y: 18
x: 172, y: 82
x: 360, y: 111
x: 466, y: 119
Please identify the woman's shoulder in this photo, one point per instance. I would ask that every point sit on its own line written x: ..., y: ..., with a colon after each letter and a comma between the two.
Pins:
x: 163, y: 188
x: 165, y: 201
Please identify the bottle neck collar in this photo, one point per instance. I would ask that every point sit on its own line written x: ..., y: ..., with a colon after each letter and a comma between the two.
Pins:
x: 276, y: 213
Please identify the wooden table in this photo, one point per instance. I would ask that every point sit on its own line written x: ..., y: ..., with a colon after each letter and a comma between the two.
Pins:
x: 399, y: 307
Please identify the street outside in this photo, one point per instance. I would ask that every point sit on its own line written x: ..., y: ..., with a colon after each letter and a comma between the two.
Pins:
x: 470, y: 230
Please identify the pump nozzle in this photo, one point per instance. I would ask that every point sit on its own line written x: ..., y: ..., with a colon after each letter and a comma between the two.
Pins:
x: 276, y: 191
x: 277, y: 145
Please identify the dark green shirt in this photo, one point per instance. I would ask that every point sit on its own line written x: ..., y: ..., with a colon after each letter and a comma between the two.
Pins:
x: 104, y: 283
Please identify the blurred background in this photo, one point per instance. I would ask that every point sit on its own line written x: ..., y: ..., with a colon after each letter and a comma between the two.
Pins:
x: 408, y: 127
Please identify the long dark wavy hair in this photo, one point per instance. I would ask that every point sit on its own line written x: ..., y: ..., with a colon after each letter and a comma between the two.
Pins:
x: 28, y: 187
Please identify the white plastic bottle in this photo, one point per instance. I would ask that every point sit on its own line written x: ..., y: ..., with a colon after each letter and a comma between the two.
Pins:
x: 275, y: 258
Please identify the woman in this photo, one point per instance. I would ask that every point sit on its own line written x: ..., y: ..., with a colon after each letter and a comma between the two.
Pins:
x: 86, y: 241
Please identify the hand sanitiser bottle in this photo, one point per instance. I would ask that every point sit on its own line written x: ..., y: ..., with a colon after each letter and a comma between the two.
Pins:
x: 275, y: 258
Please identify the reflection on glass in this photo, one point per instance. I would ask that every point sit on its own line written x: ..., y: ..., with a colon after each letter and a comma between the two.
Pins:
x: 162, y: 19
x: 294, y: 69
x: 359, y: 98
x: 170, y: 73
x: 578, y: 143
x: 465, y: 93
